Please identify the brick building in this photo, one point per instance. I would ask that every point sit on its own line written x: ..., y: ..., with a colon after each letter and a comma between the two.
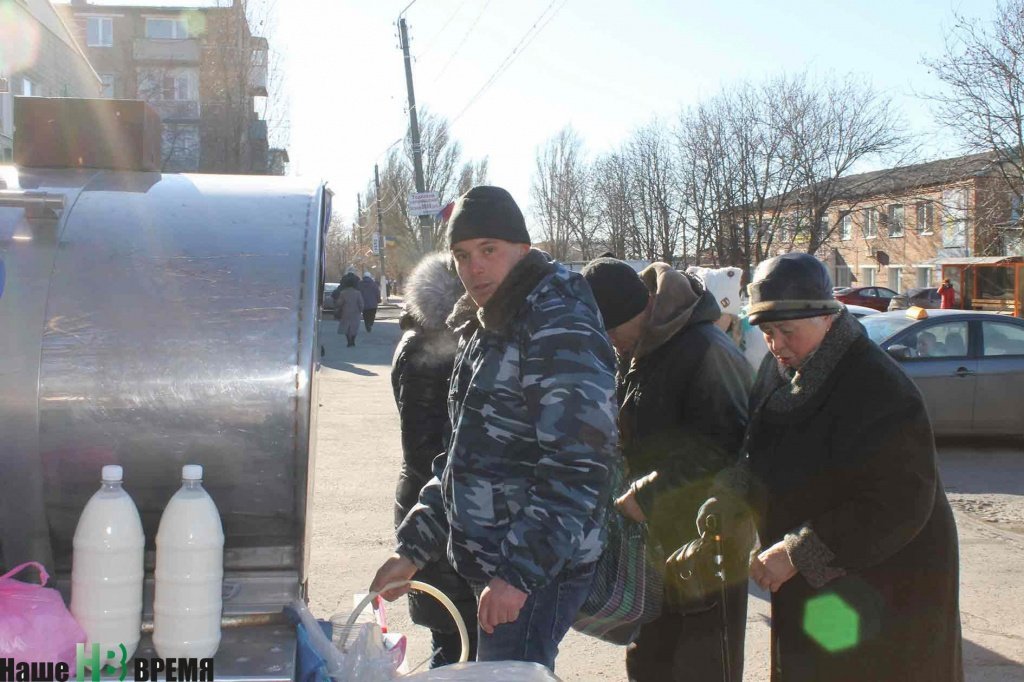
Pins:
x: 894, y: 227
x: 39, y: 56
x: 201, y: 69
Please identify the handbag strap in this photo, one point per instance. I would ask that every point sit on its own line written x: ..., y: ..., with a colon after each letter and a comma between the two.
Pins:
x: 43, y: 575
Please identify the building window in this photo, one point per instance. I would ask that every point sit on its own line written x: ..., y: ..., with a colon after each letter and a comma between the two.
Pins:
x: 895, y: 275
x: 28, y: 88
x: 168, y: 85
x: 166, y: 28
x: 925, y: 217
x: 870, y: 223
x: 846, y: 228
x: 824, y: 225
x: 843, y: 278
x: 896, y: 220
x: 867, y: 276
x: 954, y: 222
x: 108, y: 85
x: 99, y: 32
x: 924, y: 277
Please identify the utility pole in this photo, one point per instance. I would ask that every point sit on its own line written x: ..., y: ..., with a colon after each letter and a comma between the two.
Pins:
x: 414, y: 132
x: 359, y: 228
x: 380, y: 228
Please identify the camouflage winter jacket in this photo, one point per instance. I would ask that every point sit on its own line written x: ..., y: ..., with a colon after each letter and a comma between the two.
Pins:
x: 524, y: 488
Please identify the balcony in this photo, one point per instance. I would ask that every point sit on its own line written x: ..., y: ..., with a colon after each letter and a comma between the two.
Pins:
x: 176, y: 110
x: 258, y: 72
x: 166, y: 51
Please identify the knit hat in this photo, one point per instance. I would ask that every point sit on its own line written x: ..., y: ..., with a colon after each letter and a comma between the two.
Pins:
x: 486, y: 211
x: 790, y: 287
x: 620, y: 293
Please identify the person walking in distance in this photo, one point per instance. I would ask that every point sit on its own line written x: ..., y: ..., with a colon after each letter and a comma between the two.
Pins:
x: 683, y: 388
x: 519, y: 502
x: 348, y: 307
x: 420, y: 374
x: 371, y: 299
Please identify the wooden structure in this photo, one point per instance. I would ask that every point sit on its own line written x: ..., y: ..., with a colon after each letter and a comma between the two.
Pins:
x: 988, y: 283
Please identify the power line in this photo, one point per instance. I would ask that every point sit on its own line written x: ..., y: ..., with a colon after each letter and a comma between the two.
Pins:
x: 463, y: 41
x: 406, y: 8
x: 433, y: 39
x: 523, y: 43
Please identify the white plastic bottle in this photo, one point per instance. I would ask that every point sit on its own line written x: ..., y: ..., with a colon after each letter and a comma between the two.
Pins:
x: 107, y: 570
x: 189, y: 572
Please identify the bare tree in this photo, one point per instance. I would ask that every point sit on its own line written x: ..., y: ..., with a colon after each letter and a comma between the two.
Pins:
x: 613, y: 191
x: 829, y: 128
x: 562, y: 201
x: 659, y: 218
x: 983, y: 70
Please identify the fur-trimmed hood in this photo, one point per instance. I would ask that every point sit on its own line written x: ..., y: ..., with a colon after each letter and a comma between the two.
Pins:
x: 431, y: 291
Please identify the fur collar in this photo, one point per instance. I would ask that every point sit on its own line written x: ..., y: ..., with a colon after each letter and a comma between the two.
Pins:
x: 510, y: 295
x: 432, y: 291
x: 790, y: 391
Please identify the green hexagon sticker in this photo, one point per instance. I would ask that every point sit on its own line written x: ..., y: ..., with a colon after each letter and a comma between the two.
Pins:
x: 831, y: 622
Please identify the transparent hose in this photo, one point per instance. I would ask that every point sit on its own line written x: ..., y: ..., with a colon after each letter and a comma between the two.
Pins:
x: 433, y: 592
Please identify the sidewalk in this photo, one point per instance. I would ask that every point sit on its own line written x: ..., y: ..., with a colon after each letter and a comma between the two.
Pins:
x: 359, y: 457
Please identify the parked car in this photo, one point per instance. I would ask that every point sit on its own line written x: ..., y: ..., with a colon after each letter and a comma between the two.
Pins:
x: 968, y: 365
x: 860, y: 311
x: 922, y: 297
x: 869, y: 297
x: 328, y: 303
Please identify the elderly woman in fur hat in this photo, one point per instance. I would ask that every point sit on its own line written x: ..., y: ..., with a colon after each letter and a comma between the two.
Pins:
x: 859, y: 543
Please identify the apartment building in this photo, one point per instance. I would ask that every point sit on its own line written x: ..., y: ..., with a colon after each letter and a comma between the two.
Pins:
x: 199, y: 67
x: 39, y: 56
x: 895, y: 227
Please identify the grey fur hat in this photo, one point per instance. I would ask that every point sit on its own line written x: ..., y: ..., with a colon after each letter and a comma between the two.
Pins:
x: 432, y: 290
x: 790, y: 287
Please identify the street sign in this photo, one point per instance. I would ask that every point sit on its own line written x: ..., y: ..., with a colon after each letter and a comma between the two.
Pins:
x: 424, y: 203
x: 376, y: 243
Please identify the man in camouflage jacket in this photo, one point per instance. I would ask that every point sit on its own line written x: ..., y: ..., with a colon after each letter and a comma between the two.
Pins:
x: 519, y: 500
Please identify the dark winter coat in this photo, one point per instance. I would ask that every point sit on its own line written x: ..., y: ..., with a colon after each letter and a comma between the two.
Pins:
x: 843, y: 470
x: 683, y: 401
x: 420, y: 374
x: 370, y: 291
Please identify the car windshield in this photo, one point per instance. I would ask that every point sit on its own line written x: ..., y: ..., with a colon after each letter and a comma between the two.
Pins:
x: 882, y: 327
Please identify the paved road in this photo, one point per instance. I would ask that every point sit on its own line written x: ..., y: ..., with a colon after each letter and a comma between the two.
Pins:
x: 359, y: 454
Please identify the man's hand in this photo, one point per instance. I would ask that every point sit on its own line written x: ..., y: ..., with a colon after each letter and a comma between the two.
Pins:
x: 772, y: 567
x: 628, y: 507
x: 395, y: 569
x: 499, y: 603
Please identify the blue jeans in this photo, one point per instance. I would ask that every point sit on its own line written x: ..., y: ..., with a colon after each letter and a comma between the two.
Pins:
x: 542, y: 623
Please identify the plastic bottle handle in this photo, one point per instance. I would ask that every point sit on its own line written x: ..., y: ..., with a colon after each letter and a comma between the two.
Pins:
x: 433, y: 592
x: 44, y: 577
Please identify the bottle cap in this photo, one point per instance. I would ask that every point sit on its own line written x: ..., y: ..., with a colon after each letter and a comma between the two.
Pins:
x: 113, y: 472
x: 192, y: 472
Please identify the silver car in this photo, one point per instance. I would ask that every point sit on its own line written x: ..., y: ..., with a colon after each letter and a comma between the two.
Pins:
x: 968, y: 365
x: 328, y: 302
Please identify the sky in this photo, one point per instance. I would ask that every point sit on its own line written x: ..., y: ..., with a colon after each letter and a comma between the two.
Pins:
x: 605, y: 67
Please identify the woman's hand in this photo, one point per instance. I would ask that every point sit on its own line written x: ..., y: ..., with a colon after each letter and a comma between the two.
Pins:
x: 772, y: 567
x: 628, y: 507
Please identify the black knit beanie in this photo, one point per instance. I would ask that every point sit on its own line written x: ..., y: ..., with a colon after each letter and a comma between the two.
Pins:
x: 620, y: 293
x: 486, y: 211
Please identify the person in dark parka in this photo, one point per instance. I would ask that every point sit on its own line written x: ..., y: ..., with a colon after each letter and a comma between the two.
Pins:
x: 683, y: 389
x: 371, y: 299
x: 859, y: 542
x: 420, y: 374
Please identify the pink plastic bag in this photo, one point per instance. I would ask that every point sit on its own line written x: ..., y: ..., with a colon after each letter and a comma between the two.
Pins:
x: 35, y: 626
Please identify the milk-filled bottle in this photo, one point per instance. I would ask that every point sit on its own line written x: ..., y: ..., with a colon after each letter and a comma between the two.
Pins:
x: 189, y: 572
x: 106, y: 569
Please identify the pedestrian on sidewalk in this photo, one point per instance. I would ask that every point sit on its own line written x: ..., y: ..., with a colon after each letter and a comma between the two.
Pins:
x: 947, y: 295
x: 526, y: 479
x: 371, y: 299
x: 348, y: 307
x: 859, y: 542
x: 683, y: 388
x: 420, y: 375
